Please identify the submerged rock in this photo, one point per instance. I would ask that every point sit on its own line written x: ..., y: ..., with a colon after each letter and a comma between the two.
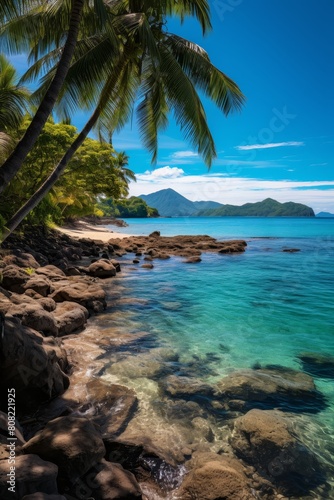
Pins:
x: 272, y: 387
x: 185, y: 386
x: 319, y: 365
x: 107, y: 481
x: 214, y: 477
x: 264, y: 439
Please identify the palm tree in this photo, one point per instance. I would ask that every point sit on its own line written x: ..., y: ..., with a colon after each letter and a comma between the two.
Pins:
x: 12, y: 165
x: 164, y: 70
x: 13, y: 100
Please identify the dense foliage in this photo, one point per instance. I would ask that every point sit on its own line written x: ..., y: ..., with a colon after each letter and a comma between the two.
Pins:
x: 95, y: 170
x: 131, y: 207
x: 265, y: 208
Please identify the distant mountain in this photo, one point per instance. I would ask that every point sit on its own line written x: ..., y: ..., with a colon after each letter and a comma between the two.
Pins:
x: 324, y: 214
x: 265, y: 208
x: 169, y: 203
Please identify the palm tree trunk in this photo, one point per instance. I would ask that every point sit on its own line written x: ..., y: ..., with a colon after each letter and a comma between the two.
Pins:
x: 12, y: 165
x: 52, y: 179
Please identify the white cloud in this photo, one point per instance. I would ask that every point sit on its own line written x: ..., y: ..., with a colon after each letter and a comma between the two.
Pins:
x: 160, y: 173
x: 237, y: 190
x: 184, y: 154
x: 248, y: 147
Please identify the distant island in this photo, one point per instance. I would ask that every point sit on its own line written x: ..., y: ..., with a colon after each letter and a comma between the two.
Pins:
x: 324, y: 214
x: 170, y: 203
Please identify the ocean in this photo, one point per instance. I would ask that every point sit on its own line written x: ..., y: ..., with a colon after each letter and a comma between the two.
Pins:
x: 230, y: 312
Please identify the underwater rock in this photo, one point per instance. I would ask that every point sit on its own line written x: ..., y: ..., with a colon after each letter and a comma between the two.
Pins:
x: 319, y: 365
x: 215, y: 477
x: 272, y: 387
x: 185, y: 386
x: 107, y: 481
x: 264, y: 439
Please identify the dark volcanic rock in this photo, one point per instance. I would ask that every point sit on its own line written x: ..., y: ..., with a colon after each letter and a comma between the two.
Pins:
x: 70, y: 317
x: 87, y: 294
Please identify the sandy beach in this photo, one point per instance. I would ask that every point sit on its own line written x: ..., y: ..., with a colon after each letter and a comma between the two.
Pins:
x: 83, y: 229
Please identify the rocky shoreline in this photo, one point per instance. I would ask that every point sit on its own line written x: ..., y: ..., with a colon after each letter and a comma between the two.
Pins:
x: 73, y: 435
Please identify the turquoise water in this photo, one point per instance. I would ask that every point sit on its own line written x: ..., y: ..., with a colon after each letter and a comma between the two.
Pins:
x: 261, y: 307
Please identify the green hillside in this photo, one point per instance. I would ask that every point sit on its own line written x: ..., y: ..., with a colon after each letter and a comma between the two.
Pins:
x: 265, y: 208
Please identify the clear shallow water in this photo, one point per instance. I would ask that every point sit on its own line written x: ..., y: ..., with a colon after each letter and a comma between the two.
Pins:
x: 262, y: 307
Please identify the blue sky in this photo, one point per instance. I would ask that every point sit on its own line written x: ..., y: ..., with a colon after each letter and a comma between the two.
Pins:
x: 281, y: 53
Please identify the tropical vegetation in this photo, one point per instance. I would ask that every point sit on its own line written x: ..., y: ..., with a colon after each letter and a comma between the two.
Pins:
x: 109, y: 58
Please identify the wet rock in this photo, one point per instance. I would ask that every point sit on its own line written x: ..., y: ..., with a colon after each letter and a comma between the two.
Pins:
x: 116, y: 265
x: 147, y: 266
x: 70, y: 317
x: 29, y: 365
x: 215, y: 478
x: 318, y: 365
x: 102, y: 269
x: 136, y: 261
x: 150, y: 364
x: 193, y: 260
x: 272, y: 387
x: 14, y: 278
x: 89, y: 295
x: 203, y: 429
x: 32, y: 474
x: 114, y: 405
x: 180, y: 409
x: 234, y: 246
x: 291, y: 250
x: 265, y: 440
x: 185, y: 386
x: 72, y: 443
x: 108, y: 481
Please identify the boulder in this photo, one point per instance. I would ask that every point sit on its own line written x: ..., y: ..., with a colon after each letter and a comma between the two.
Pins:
x: 21, y: 259
x: 116, y: 265
x: 185, y: 386
x: 14, y: 278
x: 32, y: 474
x: 217, y: 479
x: 102, y: 269
x: 73, y: 443
x: 51, y: 272
x: 193, y: 260
x: 107, y: 481
x: 264, y: 439
x: 70, y: 317
x: 272, y: 387
x: 47, y: 303
x: 114, y: 406
x: 5, y: 303
x: 39, y: 284
x: 147, y: 266
x: 87, y: 294
x: 34, y: 316
x: 30, y: 365
x: 233, y: 246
